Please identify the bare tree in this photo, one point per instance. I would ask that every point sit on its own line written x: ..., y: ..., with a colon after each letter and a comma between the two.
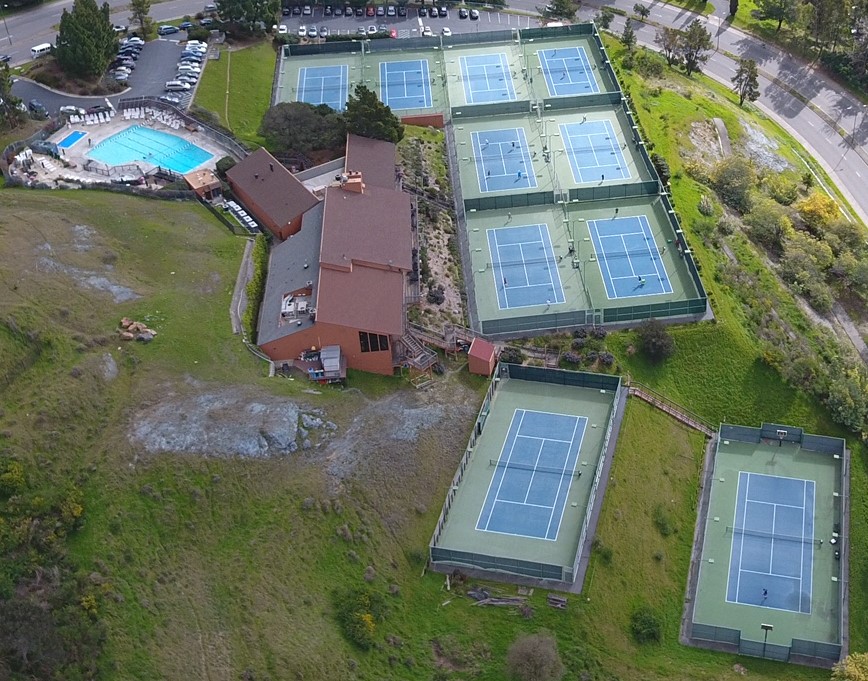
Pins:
x: 745, y: 82
x: 667, y: 39
x: 534, y: 657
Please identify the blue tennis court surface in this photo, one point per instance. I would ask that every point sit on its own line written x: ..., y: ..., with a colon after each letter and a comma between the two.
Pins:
x: 71, y: 139
x: 503, y: 160
x: 593, y: 151
x: 405, y: 84
x: 486, y: 78
x: 324, y: 85
x: 567, y: 72
x: 524, y: 267
x: 533, y: 475
x: 772, y: 554
x: 629, y: 258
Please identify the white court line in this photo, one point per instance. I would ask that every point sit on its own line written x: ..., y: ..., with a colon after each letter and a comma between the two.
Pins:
x: 592, y: 224
x: 629, y: 257
x: 772, y: 548
x: 544, y: 439
x: 645, y: 226
x: 500, y: 484
x: 561, y: 484
x: 533, y: 475
x: 743, y: 523
x: 548, y: 269
x: 773, y: 503
x: 521, y: 503
x: 524, y: 263
x: 770, y: 574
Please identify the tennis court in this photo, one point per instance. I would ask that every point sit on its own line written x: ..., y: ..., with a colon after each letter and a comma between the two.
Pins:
x: 628, y: 256
x: 533, y: 475
x: 567, y: 71
x: 406, y: 84
x: 772, y: 555
x: 594, y: 152
x: 524, y: 266
x: 324, y: 85
x: 486, y: 78
x: 503, y: 160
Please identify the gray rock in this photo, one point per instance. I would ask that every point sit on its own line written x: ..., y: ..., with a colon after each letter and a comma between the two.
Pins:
x: 306, y: 444
x: 309, y: 421
x: 109, y: 367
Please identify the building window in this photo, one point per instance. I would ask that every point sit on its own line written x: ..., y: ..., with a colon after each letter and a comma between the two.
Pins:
x: 372, y: 342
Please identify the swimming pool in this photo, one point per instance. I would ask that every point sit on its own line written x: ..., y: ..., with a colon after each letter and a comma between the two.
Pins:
x: 139, y: 143
x: 71, y: 139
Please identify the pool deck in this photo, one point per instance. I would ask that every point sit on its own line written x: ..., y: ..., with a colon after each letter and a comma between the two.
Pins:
x: 51, y: 171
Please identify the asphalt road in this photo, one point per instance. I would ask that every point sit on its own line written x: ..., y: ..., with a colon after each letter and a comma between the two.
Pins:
x: 818, y: 126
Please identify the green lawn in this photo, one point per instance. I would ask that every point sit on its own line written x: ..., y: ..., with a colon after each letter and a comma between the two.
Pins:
x: 246, y: 75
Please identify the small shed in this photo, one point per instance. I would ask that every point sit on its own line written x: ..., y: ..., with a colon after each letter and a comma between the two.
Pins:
x: 205, y: 183
x: 482, y: 357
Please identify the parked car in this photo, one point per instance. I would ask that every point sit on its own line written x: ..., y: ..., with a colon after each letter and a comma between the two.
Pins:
x: 338, y: 11
x: 283, y: 29
x: 402, y: 11
x: 462, y: 13
x: 187, y: 78
x: 474, y: 14
x: 381, y: 11
x: 382, y: 28
x: 423, y: 12
x: 207, y: 21
x: 296, y: 11
x: 447, y: 31
x: 323, y: 32
x: 177, y: 86
x: 427, y: 32
x: 285, y: 11
x: 444, y: 13
x: 121, y: 76
x: 197, y: 43
x: 170, y: 99
x: 328, y: 11
x: 189, y: 68
x: 5, y: 58
x: 302, y: 31
x: 185, y: 25
x: 391, y: 11
x: 168, y: 30
x: 370, y: 11
x: 122, y: 69
x: 120, y: 28
x: 360, y: 11
x: 361, y: 30
x: 135, y: 40
x: 98, y: 109
x: 193, y: 56
x: 372, y: 30
x: 71, y: 110
x: 312, y: 32
x: 307, y: 11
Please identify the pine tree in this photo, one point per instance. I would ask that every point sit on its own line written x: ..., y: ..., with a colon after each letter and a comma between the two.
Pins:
x: 693, y: 45
x: 746, y: 81
x: 628, y: 37
x: 86, y: 40
x: 367, y: 116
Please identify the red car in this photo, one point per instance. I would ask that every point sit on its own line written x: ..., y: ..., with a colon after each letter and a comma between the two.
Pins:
x: 370, y: 10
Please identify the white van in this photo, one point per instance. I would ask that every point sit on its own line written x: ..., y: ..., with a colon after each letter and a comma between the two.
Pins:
x: 177, y: 86
x: 38, y: 51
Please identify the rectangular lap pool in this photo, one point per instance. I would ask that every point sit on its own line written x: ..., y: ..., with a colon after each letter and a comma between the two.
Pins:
x: 138, y: 143
x: 71, y: 139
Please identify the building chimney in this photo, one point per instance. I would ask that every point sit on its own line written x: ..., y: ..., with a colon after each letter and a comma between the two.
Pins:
x: 255, y: 176
x: 271, y: 165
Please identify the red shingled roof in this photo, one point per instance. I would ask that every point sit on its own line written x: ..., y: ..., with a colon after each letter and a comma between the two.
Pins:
x: 375, y: 159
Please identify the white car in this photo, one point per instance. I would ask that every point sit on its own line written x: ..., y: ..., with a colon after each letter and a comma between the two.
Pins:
x: 72, y: 110
x: 197, y: 43
x: 177, y: 86
x: 133, y: 41
x: 447, y: 31
x: 189, y: 68
x: 283, y: 29
x: 427, y: 31
x: 302, y: 31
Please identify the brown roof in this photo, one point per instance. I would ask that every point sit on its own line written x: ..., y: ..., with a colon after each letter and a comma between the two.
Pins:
x: 374, y: 159
x: 202, y: 178
x: 367, y: 299
x: 274, y: 189
x: 371, y: 227
x: 482, y: 349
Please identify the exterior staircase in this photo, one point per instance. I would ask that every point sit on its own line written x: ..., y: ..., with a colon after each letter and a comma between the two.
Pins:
x: 675, y: 410
x: 416, y: 354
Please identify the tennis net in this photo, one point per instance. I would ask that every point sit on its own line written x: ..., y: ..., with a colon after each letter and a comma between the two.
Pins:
x: 535, y: 469
x: 647, y: 254
x: 772, y: 535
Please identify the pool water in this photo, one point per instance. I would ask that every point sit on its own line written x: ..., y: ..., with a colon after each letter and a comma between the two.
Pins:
x: 139, y: 143
x: 71, y: 139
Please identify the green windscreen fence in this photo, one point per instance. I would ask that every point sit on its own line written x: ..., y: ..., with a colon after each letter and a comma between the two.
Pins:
x: 825, y: 651
x: 495, y: 109
x: 615, y: 191
x: 507, y: 201
x: 770, y: 651
x: 577, y: 379
x: 497, y: 563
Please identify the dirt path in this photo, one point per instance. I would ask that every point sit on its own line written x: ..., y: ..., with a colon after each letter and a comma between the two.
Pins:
x: 239, y: 295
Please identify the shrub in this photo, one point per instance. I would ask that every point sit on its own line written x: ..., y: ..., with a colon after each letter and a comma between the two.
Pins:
x: 733, y: 178
x: 727, y: 224
x: 603, y: 551
x: 663, y: 522
x: 224, y: 165
x: 534, y: 657
x: 767, y: 222
x: 646, y: 625
x: 782, y: 189
x: 256, y: 286
x: 436, y: 295
x: 578, y: 343
x: 358, y: 612
x: 662, y: 167
x: 199, y: 33
x: 572, y: 358
x: 591, y: 357
x: 607, y: 359
x: 817, y: 210
x: 599, y: 332
x: 580, y: 333
x: 655, y: 341
x: 706, y: 206
x: 511, y: 355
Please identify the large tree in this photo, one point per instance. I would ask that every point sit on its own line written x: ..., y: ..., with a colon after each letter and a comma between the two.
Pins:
x: 534, y: 657
x: 247, y: 13
x: 10, y: 114
x: 86, y: 40
x: 668, y: 39
x: 694, y: 45
x: 367, y: 116
x: 564, y: 9
x: 140, y: 13
x: 782, y: 10
x: 628, y: 37
x: 746, y: 81
x: 300, y: 127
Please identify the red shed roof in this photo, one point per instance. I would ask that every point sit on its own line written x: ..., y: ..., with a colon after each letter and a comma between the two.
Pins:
x: 482, y: 349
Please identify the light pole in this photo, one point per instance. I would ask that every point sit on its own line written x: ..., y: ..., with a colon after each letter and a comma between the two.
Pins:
x: 766, y: 629
x: 5, y: 25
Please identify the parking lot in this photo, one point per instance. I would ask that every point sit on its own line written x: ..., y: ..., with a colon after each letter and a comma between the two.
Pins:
x: 157, y: 63
x: 408, y: 26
